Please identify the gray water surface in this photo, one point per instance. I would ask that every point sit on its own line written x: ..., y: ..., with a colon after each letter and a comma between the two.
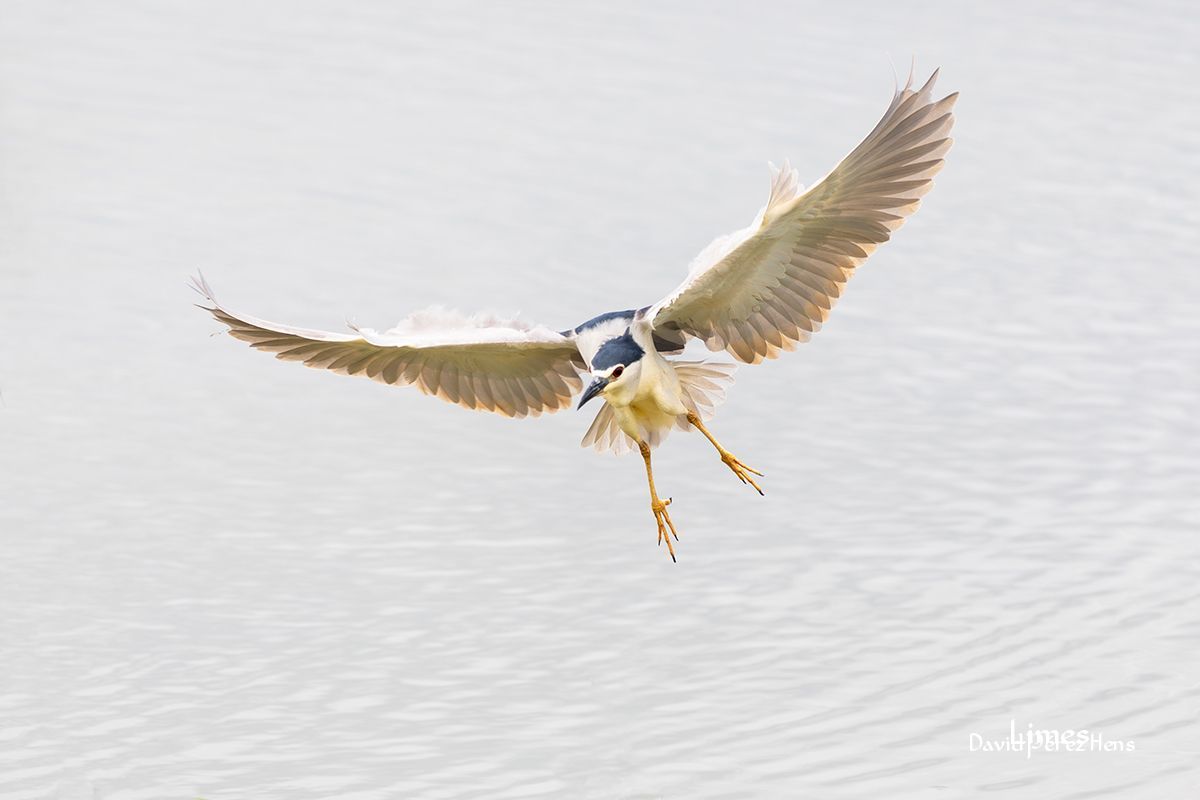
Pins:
x: 227, y: 577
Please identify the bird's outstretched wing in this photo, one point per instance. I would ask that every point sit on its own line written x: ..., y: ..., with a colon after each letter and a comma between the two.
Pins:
x: 761, y: 290
x: 481, y: 363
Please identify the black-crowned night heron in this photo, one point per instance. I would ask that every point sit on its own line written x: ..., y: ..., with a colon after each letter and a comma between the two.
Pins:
x: 754, y: 293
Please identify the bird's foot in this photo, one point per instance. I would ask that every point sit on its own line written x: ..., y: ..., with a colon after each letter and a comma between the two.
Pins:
x: 741, y: 470
x: 659, y: 507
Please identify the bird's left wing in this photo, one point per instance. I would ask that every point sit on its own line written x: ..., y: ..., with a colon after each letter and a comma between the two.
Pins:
x: 761, y: 290
x: 481, y: 363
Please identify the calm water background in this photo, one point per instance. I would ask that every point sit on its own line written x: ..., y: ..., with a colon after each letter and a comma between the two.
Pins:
x: 231, y: 578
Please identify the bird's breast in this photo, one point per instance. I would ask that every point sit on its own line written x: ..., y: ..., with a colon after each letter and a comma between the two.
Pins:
x: 659, y: 387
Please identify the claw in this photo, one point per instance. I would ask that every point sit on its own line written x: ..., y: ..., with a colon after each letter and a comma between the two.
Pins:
x: 663, y: 520
x: 658, y: 507
x: 742, y: 471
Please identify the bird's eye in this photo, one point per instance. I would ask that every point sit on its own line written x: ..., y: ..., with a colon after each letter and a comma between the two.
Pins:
x: 616, y: 373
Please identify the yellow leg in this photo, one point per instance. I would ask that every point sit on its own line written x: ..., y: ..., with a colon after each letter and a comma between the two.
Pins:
x: 659, y: 507
x: 733, y: 462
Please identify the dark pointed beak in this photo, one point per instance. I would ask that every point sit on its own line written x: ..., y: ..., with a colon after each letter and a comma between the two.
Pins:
x: 594, y: 388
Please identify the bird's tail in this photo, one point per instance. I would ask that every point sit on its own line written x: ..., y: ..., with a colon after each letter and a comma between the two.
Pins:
x: 704, y: 385
x: 606, y: 435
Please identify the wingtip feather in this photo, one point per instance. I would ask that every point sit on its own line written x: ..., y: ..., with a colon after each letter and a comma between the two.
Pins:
x: 928, y: 87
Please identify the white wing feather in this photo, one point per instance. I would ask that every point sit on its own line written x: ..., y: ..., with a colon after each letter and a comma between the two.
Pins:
x: 482, y: 363
x: 761, y: 290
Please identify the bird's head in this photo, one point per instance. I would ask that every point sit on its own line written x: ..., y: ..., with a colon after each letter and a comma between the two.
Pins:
x: 615, y: 369
x: 612, y: 380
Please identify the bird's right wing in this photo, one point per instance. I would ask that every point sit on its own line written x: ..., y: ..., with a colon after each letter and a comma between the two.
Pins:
x: 486, y: 364
x: 761, y: 290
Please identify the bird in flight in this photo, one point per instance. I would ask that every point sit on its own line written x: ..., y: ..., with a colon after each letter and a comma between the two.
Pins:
x: 754, y: 293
